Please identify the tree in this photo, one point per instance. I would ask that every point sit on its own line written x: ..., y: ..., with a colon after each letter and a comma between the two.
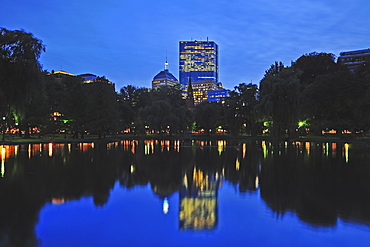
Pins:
x: 103, y: 114
x: 240, y: 108
x: 280, y: 100
x: 331, y: 101
x: 128, y: 103
x: 20, y: 70
x: 313, y: 65
x: 208, y: 116
x: 166, y: 111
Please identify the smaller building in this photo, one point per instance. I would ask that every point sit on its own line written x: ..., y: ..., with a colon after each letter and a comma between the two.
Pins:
x: 164, y: 78
x: 88, y: 78
x: 354, y: 59
x: 218, y: 95
x: 60, y: 74
x: 206, y: 90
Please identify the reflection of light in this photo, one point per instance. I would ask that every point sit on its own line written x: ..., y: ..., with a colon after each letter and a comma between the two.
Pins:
x: 133, y: 147
x: 168, y: 145
x: 346, y: 153
x: 220, y: 147
x: 166, y: 206
x: 327, y: 149
x: 92, y: 145
x: 3, y: 150
x: 16, y: 151
x: 177, y: 146
x: 185, y: 182
x: 237, y: 164
x: 29, y: 151
x: 132, y: 169
x: 57, y: 201
x: 333, y: 148
x: 69, y: 147
x: 257, y: 182
x: 264, y: 149
x: 50, y: 149
x: 244, y: 149
x: 146, y: 149
x: 308, y: 147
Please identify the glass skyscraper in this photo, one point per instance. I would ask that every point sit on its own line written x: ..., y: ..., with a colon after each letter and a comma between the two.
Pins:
x: 198, y: 60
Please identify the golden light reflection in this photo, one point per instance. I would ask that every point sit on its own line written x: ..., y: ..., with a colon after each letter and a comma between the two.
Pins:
x: 237, y: 164
x: 198, y: 200
x: 3, y: 153
x: 132, y: 169
x: 346, y: 152
x: 221, y: 146
x: 177, y: 145
x: 198, y: 213
x: 29, y: 150
x: 244, y: 150
x: 84, y: 146
x: 308, y: 147
x: 257, y: 182
x: 50, y: 149
x: 69, y: 147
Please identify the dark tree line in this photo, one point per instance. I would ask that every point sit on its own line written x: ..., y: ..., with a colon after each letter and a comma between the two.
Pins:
x: 313, y: 94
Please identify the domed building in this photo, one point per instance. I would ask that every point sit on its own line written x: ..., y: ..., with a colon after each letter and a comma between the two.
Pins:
x: 164, y: 78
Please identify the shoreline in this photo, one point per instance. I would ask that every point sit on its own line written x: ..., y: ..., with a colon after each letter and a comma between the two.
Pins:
x: 109, y: 139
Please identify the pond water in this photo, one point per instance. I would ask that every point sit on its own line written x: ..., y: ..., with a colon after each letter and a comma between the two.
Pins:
x: 178, y: 193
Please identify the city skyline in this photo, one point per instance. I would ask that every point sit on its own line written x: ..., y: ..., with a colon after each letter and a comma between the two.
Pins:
x: 128, y: 41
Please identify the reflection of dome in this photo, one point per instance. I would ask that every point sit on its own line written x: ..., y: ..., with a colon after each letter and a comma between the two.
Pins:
x: 164, y: 78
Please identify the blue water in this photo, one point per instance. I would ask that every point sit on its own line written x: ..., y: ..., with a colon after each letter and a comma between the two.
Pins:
x: 253, y: 197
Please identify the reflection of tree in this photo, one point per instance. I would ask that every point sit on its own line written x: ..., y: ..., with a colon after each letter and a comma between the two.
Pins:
x: 31, y: 183
x: 319, y: 189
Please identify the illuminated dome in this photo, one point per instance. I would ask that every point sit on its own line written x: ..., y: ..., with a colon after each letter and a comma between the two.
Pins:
x: 164, y: 78
x: 164, y: 75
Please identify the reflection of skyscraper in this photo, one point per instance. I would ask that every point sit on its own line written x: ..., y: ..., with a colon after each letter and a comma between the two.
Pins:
x: 198, y: 201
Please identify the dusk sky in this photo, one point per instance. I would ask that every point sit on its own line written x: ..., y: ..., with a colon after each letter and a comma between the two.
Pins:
x: 127, y: 40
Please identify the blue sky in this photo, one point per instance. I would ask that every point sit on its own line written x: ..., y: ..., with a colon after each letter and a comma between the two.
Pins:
x: 127, y: 40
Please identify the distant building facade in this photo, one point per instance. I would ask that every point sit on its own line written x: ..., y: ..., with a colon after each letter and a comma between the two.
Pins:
x: 164, y: 78
x: 198, y: 60
x: 198, y: 63
x: 354, y: 59
x: 218, y: 95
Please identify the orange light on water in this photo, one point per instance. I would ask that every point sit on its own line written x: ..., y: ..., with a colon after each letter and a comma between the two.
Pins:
x: 50, y: 149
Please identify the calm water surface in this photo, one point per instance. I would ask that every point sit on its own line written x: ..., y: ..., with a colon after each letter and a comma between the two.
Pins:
x: 176, y: 193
